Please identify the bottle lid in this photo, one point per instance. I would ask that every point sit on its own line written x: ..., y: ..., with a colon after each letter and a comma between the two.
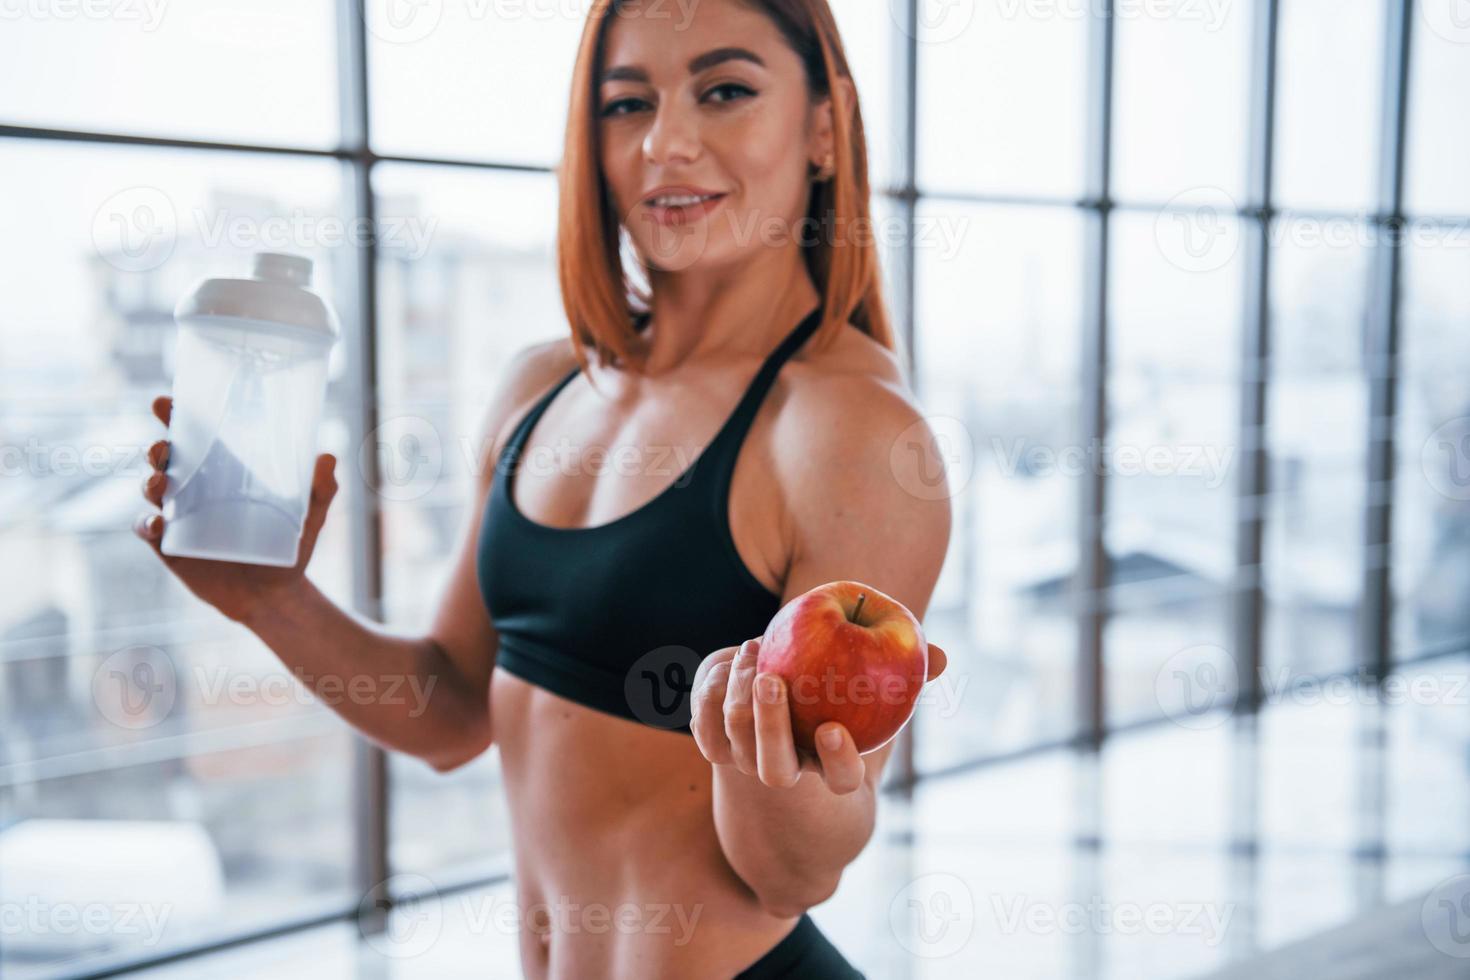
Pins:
x: 283, y: 267
x: 274, y: 299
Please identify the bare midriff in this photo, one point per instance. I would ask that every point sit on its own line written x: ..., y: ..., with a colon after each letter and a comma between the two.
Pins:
x: 618, y: 868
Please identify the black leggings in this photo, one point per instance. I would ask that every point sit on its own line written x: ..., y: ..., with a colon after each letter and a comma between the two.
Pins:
x: 804, y: 953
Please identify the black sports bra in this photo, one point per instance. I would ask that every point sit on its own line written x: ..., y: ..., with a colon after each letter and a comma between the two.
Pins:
x: 617, y: 617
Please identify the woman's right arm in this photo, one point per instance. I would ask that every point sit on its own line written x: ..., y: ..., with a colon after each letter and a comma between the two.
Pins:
x: 425, y: 696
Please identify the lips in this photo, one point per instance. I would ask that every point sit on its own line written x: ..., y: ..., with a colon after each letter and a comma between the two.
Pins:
x: 680, y: 208
x: 680, y: 200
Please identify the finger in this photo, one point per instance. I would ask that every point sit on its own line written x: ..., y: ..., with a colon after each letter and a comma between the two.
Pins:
x: 149, y: 527
x: 938, y: 660
x: 158, y: 454
x: 739, y: 711
x: 323, y: 489
x: 842, y: 767
x: 324, y: 479
x: 163, y: 408
x: 153, y: 487
x: 775, y: 750
x: 707, y: 721
x: 720, y: 656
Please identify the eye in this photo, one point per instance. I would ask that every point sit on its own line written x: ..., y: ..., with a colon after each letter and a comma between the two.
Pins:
x: 741, y: 91
x: 615, y: 107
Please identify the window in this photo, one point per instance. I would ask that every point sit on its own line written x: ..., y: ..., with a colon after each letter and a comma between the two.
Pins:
x: 1432, y: 487
x: 1317, y: 436
x: 484, y: 82
x: 1001, y: 375
x: 1170, y: 450
x: 1002, y: 109
x: 1085, y: 217
x: 147, y: 739
x: 1328, y: 103
x: 233, y: 71
x: 1439, y: 127
x: 1179, y: 99
x: 469, y: 282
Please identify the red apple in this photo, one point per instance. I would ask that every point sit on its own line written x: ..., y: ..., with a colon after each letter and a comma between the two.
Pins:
x: 848, y: 653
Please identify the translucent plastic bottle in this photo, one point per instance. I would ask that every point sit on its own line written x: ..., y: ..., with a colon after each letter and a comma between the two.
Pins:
x: 250, y: 378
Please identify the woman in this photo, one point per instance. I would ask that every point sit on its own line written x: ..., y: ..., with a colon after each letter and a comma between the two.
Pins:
x: 705, y: 140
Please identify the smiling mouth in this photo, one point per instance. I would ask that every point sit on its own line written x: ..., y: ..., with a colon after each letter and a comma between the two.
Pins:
x: 676, y: 209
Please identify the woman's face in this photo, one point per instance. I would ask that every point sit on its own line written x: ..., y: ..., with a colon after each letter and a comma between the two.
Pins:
x: 715, y: 103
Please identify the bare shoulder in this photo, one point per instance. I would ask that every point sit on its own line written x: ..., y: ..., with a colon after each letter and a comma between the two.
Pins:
x: 848, y: 424
x: 845, y: 391
x: 529, y: 373
x: 535, y: 366
x: 854, y: 352
x: 851, y: 448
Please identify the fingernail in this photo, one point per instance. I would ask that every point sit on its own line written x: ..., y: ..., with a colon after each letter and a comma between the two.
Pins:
x: 832, y: 738
x: 771, y: 689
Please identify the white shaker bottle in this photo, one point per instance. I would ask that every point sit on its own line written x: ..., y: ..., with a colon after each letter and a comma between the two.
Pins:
x: 250, y: 378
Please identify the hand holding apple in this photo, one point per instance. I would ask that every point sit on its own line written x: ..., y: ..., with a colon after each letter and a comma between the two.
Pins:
x: 814, y: 640
x: 851, y: 654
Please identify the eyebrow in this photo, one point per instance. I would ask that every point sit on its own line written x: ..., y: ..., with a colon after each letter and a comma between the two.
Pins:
x: 627, y: 73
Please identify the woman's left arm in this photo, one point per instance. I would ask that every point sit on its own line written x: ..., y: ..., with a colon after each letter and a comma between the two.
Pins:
x: 858, y: 468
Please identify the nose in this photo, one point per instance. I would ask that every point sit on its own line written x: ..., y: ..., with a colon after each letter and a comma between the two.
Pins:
x: 674, y: 136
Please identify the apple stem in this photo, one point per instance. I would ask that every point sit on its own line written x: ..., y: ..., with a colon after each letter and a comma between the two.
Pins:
x: 858, y: 609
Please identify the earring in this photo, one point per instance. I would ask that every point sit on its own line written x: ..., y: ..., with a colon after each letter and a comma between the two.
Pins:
x: 827, y: 171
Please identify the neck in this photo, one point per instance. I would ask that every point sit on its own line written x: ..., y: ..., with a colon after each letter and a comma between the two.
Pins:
x: 737, y: 312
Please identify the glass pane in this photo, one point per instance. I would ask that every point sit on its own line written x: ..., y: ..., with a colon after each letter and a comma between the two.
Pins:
x: 1171, y: 447
x: 130, y: 859
x: 141, y: 734
x: 1330, y: 80
x: 468, y: 282
x: 1307, y: 801
x: 475, y: 81
x: 260, y: 71
x: 1167, y: 654
x: 448, y: 80
x: 114, y: 236
x: 867, y: 31
x: 998, y: 317
x: 1438, y: 178
x: 1307, y: 780
x: 1431, y: 492
x: 1001, y: 108
x: 1179, y: 99
x: 1426, y: 729
x: 1316, y: 434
